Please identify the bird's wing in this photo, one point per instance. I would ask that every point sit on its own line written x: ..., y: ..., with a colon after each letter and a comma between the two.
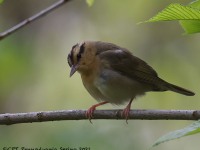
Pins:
x: 124, y: 62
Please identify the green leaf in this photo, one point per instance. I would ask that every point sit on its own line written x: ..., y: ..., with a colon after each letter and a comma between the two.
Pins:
x: 176, y: 12
x: 195, y: 4
x: 189, y: 130
x: 188, y: 16
x: 90, y: 2
x: 1, y: 1
x: 192, y: 26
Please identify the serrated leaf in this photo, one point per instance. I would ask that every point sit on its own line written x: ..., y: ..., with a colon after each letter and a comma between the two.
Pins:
x: 189, y: 130
x: 188, y: 16
x: 176, y: 12
x: 90, y: 2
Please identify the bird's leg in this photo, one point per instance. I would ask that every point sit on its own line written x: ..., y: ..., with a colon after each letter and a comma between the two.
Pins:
x: 90, y: 111
x: 125, y: 112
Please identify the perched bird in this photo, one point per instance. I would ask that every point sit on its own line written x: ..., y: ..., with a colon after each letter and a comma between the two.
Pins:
x: 112, y: 74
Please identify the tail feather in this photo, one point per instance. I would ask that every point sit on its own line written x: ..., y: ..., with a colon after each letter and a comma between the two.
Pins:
x: 180, y: 90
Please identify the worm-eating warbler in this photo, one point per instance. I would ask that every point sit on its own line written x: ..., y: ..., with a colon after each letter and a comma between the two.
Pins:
x: 112, y: 74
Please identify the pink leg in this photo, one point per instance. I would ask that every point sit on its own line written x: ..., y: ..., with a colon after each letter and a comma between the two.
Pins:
x: 90, y: 111
x: 125, y: 112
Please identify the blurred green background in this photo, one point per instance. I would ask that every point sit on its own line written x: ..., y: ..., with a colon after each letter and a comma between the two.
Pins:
x: 34, y: 74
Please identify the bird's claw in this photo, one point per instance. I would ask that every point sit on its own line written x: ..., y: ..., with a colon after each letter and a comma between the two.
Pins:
x: 89, y: 113
x: 125, y: 113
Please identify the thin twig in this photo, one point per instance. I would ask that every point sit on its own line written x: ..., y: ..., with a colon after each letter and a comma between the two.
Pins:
x: 8, y: 119
x: 32, y: 18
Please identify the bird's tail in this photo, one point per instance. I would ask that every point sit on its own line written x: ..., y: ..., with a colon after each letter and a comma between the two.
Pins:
x: 178, y: 89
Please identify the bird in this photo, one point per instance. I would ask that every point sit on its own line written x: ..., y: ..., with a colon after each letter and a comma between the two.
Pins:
x: 112, y: 74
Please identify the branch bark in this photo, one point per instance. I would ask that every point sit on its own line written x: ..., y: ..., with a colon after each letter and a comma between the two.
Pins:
x: 15, y: 118
x: 32, y: 19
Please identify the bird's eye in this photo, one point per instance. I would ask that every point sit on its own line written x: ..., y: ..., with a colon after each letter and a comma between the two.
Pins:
x: 78, y: 56
x: 82, y: 48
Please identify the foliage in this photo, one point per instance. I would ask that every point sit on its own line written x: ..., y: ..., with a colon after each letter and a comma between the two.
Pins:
x: 188, y: 16
x: 189, y: 130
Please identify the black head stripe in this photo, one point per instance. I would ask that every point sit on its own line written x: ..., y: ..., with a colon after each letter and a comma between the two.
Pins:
x: 74, y: 46
x: 70, y: 56
x: 70, y: 59
x: 82, y: 49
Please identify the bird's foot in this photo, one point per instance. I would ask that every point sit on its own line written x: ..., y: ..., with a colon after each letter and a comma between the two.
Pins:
x: 125, y: 112
x: 89, y: 113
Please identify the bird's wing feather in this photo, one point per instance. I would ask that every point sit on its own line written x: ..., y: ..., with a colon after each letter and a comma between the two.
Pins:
x: 128, y: 65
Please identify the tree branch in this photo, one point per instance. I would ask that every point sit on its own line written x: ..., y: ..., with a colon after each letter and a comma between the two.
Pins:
x: 8, y: 119
x: 32, y: 19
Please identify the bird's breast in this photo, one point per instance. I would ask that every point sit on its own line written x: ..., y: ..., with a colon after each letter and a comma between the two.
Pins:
x: 89, y: 83
x: 117, y: 88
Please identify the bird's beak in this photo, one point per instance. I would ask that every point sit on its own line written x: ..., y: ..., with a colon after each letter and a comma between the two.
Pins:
x: 73, y: 69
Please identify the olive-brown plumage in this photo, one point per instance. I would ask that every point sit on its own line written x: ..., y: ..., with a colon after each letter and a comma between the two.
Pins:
x: 112, y: 74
